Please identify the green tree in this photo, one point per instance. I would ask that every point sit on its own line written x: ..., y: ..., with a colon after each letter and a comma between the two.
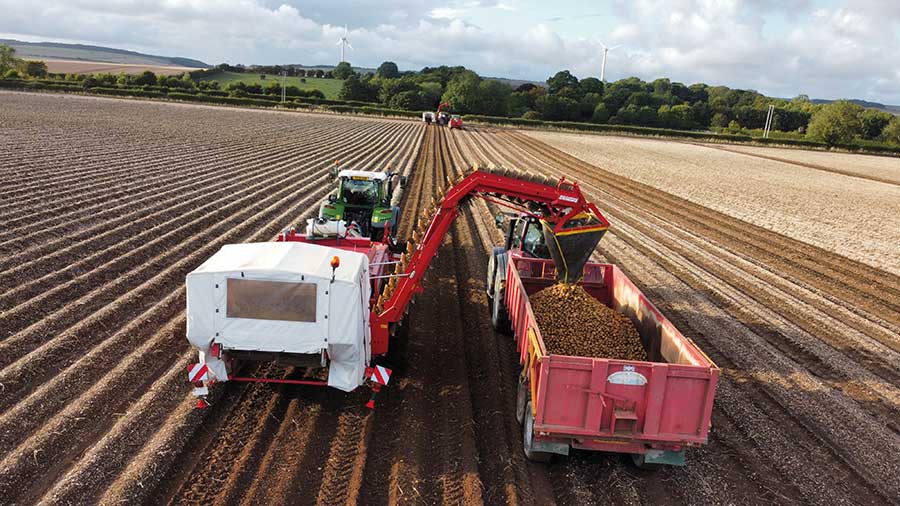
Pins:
x: 601, y: 114
x: 519, y: 104
x: 873, y: 122
x: 571, y: 92
x: 493, y: 98
x: 388, y: 69
x: 463, y: 93
x: 891, y: 133
x: 12, y: 74
x: 342, y: 71
x: 8, y: 60
x: 560, y: 80
x: 406, y: 100
x: 34, y: 68
x: 734, y: 127
x: 700, y: 114
x: 662, y: 86
x: 836, y: 123
x: 588, y: 104
x: 392, y: 87
x: 556, y: 108
x: 676, y: 116
x: 591, y: 85
x: 145, y: 78
x: 431, y: 92
x: 355, y: 88
x: 718, y: 120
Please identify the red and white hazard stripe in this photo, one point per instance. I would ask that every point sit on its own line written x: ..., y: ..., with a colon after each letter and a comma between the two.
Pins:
x: 381, y: 375
x: 197, y: 372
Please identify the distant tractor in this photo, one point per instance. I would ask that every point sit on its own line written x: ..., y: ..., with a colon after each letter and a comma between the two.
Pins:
x: 456, y: 122
x: 442, y: 117
x: 362, y: 201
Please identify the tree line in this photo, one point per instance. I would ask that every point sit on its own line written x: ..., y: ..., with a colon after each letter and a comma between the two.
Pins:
x: 631, y: 101
x: 289, y: 70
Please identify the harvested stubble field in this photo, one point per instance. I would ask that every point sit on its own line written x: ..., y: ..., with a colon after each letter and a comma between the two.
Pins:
x: 876, y: 168
x: 849, y: 205
x: 92, y: 67
x: 107, y: 204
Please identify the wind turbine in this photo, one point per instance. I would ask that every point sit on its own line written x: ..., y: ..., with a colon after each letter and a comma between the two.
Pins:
x: 344, y: 43
x: 606, y: 50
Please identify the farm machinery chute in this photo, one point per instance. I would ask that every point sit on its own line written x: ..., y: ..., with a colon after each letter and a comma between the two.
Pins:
x: 332, y: 300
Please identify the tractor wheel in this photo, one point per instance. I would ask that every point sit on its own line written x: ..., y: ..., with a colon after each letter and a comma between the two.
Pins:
x: 528, y: 436
x: 499, y: 315
x: 521, y: 400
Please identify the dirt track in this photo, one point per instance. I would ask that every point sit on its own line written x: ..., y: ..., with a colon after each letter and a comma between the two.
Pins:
x: 110, y: 205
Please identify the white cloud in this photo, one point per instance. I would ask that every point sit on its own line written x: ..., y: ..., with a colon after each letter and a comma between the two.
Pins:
x: 781, y: 47
x: 445, y: 13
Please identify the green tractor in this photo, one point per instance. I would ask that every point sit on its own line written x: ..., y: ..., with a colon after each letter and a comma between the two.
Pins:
x: 363, y: 200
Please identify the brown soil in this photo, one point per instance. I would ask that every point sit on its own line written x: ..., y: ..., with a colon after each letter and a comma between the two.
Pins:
x: 113, y: 202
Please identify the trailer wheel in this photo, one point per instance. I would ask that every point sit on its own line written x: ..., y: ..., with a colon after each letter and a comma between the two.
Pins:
x: 638, y: 459
x: 521, y: 400
x: 528, y: 433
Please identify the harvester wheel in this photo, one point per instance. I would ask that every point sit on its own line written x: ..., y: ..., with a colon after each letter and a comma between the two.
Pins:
x: 521, y: 400
x: 528, y: 435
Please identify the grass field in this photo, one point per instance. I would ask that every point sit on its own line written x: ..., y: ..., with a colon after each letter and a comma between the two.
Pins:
x: 330, y: 87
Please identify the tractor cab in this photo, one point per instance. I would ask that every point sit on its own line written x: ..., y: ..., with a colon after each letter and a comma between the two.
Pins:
x: 525, y: 235
x: 529, y: 237
x: 362, y: 201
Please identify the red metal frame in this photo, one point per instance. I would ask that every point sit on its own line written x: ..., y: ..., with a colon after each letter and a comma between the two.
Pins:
x: 563, y: 202
x: 275, y: 380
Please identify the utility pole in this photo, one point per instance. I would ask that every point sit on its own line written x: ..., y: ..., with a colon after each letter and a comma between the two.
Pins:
x: 283, y: 77
x: 769, y: 117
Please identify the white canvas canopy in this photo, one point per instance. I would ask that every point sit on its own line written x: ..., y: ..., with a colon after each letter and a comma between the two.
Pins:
x: 279, y: 297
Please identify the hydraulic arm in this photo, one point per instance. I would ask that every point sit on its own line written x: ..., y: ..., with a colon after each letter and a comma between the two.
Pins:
x: 572, y: 228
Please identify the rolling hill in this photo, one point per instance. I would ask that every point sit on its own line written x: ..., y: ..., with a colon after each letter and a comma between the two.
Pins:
x: 82, y: 52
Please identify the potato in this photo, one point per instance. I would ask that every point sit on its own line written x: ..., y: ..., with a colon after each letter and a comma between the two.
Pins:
x: 574, y: 323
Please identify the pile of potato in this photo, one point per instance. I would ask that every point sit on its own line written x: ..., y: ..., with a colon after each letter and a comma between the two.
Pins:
x: 574, y: 323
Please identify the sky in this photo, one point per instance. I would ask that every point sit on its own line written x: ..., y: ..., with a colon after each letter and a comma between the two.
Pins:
x: 821, y: 48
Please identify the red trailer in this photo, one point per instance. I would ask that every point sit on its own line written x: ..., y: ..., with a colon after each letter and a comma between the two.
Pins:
x: 652, y: 410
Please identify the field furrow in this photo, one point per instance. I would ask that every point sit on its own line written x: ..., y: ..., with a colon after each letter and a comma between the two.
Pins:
x: 107, y: 206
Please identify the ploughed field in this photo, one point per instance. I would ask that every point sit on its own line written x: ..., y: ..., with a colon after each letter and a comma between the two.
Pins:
x: 107, y: 204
